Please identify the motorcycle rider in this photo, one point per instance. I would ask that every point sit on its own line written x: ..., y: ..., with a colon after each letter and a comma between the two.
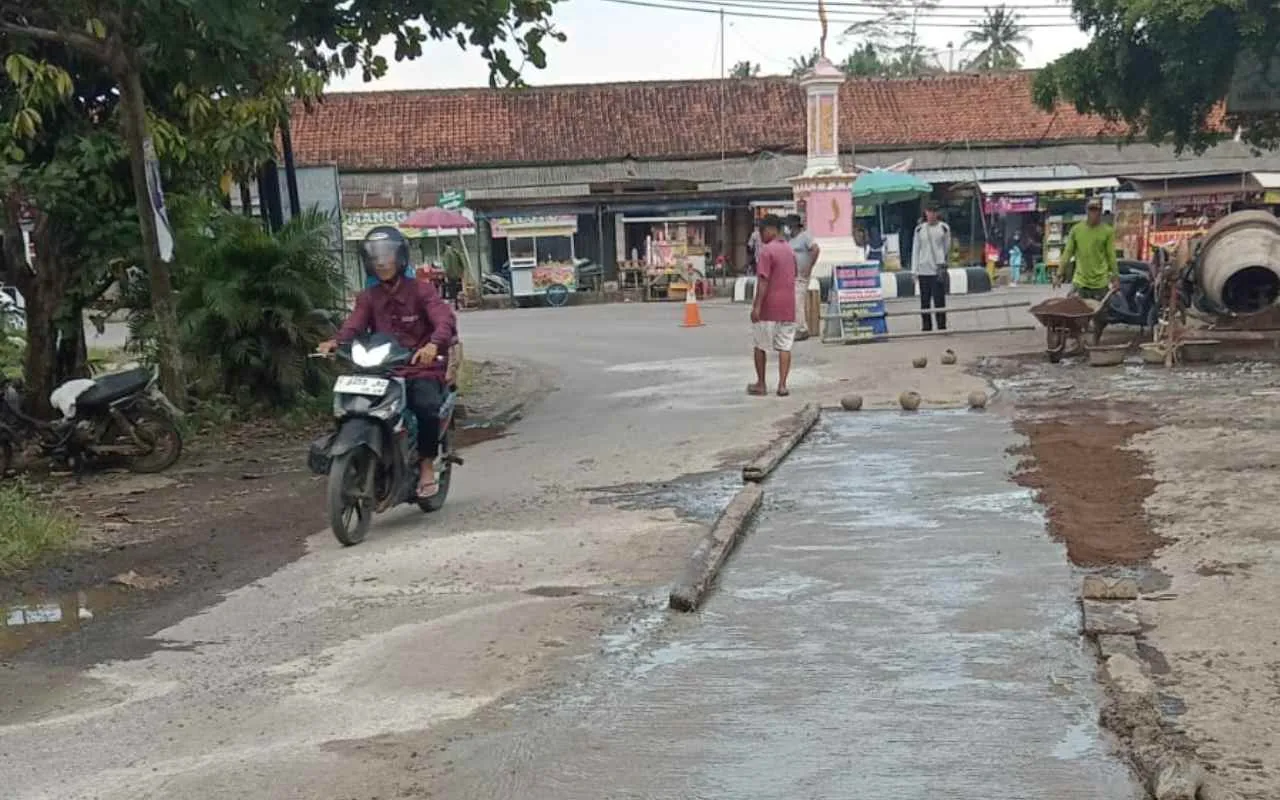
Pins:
x: 412, y: 312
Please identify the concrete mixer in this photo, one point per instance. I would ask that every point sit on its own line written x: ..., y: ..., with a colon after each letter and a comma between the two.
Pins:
x: 1236, y: 270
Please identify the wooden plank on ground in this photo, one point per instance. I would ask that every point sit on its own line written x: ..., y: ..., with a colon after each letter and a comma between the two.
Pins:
x: 714, y: 549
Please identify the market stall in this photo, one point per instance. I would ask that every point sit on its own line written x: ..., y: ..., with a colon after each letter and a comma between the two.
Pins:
x: 673, y: 251
x: 1179, y: 208
x: 541, y: 256
x: 1038, y: 214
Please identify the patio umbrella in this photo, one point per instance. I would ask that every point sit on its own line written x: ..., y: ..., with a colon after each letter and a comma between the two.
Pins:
x: 438, y: 219
x: 435, y: 219
x: 880, y: 186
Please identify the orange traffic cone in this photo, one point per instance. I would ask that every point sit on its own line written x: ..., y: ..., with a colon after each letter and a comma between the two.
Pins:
x: 692, y: 315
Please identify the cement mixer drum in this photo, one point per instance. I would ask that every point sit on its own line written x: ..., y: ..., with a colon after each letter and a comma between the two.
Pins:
x: 1237, y: 269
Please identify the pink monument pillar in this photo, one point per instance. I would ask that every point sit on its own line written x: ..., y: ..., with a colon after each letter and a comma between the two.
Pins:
x: 825, y: 189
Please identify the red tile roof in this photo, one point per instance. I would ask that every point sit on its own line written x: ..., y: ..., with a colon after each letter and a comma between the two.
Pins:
x: 423, y: 130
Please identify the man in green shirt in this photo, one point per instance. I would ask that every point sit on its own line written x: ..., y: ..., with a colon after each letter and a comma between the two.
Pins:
x: 1092, y: 246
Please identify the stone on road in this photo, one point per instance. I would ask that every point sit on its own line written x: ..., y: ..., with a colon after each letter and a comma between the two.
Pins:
x: 898, y: 627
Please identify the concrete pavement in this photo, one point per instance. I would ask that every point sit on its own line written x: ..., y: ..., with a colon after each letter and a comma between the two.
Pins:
x: 286, y: 687
x: 896, y: 626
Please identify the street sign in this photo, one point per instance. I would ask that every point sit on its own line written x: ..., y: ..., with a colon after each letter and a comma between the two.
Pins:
x: 452, y: 199
x: 857, y: 303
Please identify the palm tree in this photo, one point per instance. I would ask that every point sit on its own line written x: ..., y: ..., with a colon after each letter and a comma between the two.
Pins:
x: 999, y: 36
x: 744, y: 69
x: 802, y: 64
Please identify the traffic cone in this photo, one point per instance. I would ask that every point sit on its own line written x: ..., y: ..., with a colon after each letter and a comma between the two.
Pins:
x: 692, y: 315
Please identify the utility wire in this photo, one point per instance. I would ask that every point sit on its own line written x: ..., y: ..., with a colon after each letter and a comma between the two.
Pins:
x: 805, y: 6
x: 887, y: 7
x: 795, y: 17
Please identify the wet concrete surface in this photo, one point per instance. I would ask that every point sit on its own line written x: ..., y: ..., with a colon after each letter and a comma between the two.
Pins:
x: 897, y: 625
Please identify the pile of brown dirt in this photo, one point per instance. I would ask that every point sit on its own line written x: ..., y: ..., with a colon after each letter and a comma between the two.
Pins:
x: 1092, y: 488
x: 1065, y: 306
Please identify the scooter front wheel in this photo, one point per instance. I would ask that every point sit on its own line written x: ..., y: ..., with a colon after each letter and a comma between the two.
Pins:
x: 349, y: 500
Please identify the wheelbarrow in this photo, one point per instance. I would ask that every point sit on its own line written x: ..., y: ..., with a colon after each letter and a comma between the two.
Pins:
x: 1062, y: 328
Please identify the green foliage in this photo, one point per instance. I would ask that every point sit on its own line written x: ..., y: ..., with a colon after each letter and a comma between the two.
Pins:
x: 1163, y: 67
x: 999, y: 35
x: 896, y: 33
x: 30, y: 530
x: 802, y: 64
x: 246, y: 302
x: 865, y: 61
x: 338, y: 37
x: 12, y: 346
x: 743, y: 70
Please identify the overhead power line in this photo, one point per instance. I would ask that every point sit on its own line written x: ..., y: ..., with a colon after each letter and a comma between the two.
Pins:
x: 1059, y: 14
x: 796, y: 15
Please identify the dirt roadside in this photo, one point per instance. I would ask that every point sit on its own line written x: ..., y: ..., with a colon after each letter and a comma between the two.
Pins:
x: 1171, y: 477
x: 154, y: 549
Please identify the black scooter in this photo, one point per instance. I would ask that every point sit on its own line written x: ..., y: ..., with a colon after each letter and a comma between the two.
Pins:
x: 371, y: 457
x: 1134, y: 304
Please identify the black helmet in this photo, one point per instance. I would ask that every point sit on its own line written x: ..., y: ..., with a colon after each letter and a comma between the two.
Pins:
x: 384, y: 242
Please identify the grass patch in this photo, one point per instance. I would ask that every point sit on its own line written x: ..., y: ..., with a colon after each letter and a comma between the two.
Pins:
x: 30, y: 530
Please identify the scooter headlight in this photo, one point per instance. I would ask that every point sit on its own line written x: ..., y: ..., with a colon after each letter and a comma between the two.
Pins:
x: 369, y: 357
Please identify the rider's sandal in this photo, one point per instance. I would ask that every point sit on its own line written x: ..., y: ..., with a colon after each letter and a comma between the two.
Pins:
x: 428, y: 489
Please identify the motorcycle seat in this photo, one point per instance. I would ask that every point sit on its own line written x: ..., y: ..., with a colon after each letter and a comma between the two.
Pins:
x: 110, y: 388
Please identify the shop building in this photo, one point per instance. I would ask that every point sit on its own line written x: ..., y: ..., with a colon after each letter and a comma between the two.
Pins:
x: 646, y: 194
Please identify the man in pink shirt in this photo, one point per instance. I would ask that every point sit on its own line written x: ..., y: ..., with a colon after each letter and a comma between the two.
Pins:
x: 773, y: 311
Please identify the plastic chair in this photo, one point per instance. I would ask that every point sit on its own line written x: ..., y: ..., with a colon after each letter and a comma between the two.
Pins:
x: 1041, y: 274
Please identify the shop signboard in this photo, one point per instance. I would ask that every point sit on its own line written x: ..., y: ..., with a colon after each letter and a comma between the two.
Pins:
x: 452, y: 199
x: 553, y: 225
x: 1009, y: 204
x: 859, y: 302
x: 356, y: 224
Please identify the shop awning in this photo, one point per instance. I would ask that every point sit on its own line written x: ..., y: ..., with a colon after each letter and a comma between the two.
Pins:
x: 1047, y: 185
x: 1210, y: 189
x: 1267, y: 180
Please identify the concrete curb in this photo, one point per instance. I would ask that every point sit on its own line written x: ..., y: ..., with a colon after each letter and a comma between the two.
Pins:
x: 714, y: 549
x: 1167, y: 769
x: 762, y: 465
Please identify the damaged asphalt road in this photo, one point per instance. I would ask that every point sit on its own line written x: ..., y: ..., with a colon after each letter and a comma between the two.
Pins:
x: 283, y: 686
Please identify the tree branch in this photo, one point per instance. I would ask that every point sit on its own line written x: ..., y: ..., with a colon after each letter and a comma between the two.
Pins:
x: 76, y: 41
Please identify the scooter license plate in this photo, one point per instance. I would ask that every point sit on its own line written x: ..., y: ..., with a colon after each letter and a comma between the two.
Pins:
x: 361, y: 384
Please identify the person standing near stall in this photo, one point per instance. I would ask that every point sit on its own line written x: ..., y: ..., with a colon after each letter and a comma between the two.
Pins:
x: 929, y: 252
x: 773, y: 310
x: 806, y: 251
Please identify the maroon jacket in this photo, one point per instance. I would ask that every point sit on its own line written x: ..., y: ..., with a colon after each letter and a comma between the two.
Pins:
x: 413, y: 313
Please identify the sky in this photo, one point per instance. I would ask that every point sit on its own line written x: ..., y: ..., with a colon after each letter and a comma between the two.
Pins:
x: 609, y: 40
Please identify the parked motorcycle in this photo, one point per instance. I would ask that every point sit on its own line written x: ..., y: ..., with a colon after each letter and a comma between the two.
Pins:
x: 121, y: 416
x: 1135, y: 303
x: 371, y: 458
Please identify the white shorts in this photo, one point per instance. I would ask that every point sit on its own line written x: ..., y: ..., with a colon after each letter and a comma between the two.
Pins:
x: 779, y: 336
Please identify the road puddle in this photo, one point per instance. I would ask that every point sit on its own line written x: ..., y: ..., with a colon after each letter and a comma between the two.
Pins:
x: 32, y: 621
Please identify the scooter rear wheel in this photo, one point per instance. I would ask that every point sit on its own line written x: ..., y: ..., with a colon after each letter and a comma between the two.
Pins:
x: 349, y: 514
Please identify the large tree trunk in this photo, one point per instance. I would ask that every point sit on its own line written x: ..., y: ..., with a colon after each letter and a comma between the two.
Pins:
x: 134, y: 114
x: 44, y: 292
